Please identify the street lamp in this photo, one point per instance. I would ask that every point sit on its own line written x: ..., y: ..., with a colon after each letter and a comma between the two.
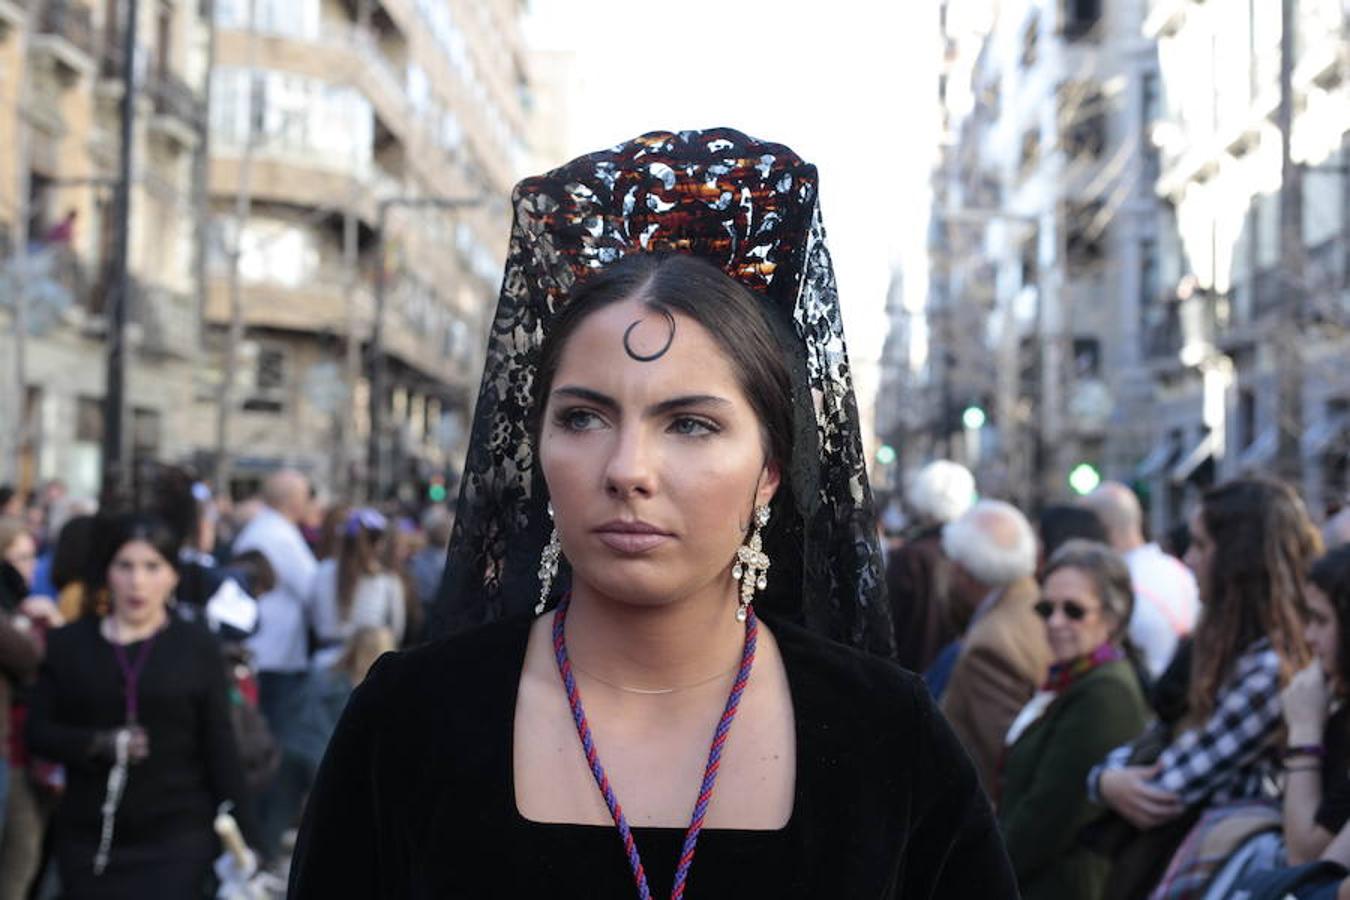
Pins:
x: 377, y: 458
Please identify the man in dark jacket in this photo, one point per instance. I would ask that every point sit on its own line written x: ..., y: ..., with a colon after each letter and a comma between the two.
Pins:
x: 931, y: 604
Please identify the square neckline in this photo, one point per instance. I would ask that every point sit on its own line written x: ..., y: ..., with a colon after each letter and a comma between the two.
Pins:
x: 519, y: 819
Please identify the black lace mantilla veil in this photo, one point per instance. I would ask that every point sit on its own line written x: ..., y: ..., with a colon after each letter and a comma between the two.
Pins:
x: 752, y: 208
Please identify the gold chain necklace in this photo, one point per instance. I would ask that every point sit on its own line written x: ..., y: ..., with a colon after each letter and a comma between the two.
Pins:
x: 653, y: 691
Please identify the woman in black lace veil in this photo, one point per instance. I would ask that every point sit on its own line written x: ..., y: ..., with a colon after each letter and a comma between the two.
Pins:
x: 498, y: 761
x: 751, y: 208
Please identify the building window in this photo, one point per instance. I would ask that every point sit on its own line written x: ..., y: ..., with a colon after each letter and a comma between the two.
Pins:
x: 1030, y: 36
x: 286, y: 18
x: 1082, y: 119
x: 145, y: 433
x: 163, y: 38
x: 1087, y: 358
x: 269, y: 386
x: 1031, y: 151
x: 1085, y: 237
x: 1030, y: 261
x: 1080, y: 17
x: 1246, y: 417
x: 89, y: 420
x: 315, y: 123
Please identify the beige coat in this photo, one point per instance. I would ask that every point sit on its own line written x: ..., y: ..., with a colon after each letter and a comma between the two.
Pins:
x: 1004, y: 659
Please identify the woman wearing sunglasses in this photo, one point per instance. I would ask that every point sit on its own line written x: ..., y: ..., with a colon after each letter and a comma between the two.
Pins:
x: 1090, y: 703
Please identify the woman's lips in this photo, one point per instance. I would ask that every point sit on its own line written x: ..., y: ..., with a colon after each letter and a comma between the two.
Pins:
x: 631, y: 537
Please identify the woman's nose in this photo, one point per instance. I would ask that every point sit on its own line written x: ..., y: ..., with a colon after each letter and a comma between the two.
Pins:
x: 631, y: 468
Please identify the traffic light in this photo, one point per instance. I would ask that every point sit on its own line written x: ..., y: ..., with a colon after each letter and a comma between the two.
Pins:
x: 1084, y: 478
x: 885, y: 454
x: 436, y: 489
x: 973, y: 417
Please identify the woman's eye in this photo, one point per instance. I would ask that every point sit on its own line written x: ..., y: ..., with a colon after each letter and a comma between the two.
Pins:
x: 578, y: 420
x: 688, y: 425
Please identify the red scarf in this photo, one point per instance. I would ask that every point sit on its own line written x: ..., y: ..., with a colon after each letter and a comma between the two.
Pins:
x: 1064, y: 674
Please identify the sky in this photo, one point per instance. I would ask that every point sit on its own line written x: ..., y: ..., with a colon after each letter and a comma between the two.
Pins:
x: 850, y: 85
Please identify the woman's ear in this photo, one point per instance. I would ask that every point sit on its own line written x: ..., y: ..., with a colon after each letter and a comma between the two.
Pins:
x: 768, y: 483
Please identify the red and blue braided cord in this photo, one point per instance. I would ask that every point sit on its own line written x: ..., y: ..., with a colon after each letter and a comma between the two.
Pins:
x: 709, y: 773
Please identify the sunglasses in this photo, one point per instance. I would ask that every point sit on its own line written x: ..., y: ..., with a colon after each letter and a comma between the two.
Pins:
x: 1073, y: 610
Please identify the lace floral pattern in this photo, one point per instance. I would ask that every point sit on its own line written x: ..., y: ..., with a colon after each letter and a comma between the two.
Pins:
x: 750, y: 207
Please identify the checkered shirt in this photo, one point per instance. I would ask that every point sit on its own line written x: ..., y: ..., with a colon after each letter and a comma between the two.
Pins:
x: 1232, y: 757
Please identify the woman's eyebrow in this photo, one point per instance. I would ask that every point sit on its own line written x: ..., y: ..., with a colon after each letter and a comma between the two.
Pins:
x: 688, y: 400
x: 587, y: 394
x: 684, y: 401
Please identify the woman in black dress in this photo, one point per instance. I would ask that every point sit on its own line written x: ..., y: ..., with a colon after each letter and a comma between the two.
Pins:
x: 135, y: 705
x: 698, y: 463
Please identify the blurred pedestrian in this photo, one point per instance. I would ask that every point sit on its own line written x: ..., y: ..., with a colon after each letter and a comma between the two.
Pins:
x: 428, y: 564
x: 1004, y: 655
x: 1089, y: 704
x: 206, y: 590
x: 1317, y: 722
x: 929, y: 608
x: 29, y: 799
x: 11, y: 502
x: 1251, y: 543
x: 1166, y: 598
x: 405, y: 539
x: 330, y: 531
x: 71, y: 560
x: 331, y: 686
x: 280, y: 646
x: 20, y: 652
x: 1336, y: 532
x: 1060, y: 523
x: 135, y: 705
x: 356, y: 589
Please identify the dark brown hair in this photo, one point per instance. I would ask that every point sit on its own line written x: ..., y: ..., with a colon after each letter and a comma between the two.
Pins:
x: 1331, y: 574
x: 1263, y: 542
x: 678, y: 283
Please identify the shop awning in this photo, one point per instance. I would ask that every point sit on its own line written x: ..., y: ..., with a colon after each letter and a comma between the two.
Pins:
x: 1325, y: 435
x: 1203, y: 450
x: 1260, y: 453
x: 1157, y: 460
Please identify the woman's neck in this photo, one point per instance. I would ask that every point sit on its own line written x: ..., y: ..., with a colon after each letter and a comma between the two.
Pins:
x: 654, y: 648
x: 122, y: 631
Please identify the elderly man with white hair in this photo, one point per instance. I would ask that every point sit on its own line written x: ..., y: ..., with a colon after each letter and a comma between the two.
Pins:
x: 1004, y: 656
x: 929, y: 609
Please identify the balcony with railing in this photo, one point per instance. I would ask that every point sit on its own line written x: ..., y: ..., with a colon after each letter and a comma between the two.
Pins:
x: 13, y: 14
x: 1160, y: 330
x: 1267, y: 293
x: 65, y: 31
x: 178, y: 110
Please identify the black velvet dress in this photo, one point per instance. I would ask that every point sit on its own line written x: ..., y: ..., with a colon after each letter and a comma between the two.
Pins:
x: 415, y: 798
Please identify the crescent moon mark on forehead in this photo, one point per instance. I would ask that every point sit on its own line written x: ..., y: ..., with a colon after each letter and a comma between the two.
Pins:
x: 649, y: 357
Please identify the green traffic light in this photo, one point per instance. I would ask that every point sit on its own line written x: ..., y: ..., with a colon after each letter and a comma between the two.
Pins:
x: 436, y: 493
x: 973, y: 418
x: 885, y: 454
x: 1084, y: 478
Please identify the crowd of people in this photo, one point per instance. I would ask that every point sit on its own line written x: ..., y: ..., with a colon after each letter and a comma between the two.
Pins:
x: 1147, y: 724
x: 190, y: 658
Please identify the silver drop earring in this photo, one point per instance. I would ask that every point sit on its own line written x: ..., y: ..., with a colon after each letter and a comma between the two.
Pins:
x: 751, y: 568
x: 548, y: 565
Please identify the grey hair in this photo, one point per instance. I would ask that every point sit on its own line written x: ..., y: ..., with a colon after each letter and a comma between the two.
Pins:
x: 941, y: 491
x: 993, y: 542
x: 1109, y: 575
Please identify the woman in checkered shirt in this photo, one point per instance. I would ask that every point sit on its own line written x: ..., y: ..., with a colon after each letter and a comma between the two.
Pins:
x: 1251, y: 543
